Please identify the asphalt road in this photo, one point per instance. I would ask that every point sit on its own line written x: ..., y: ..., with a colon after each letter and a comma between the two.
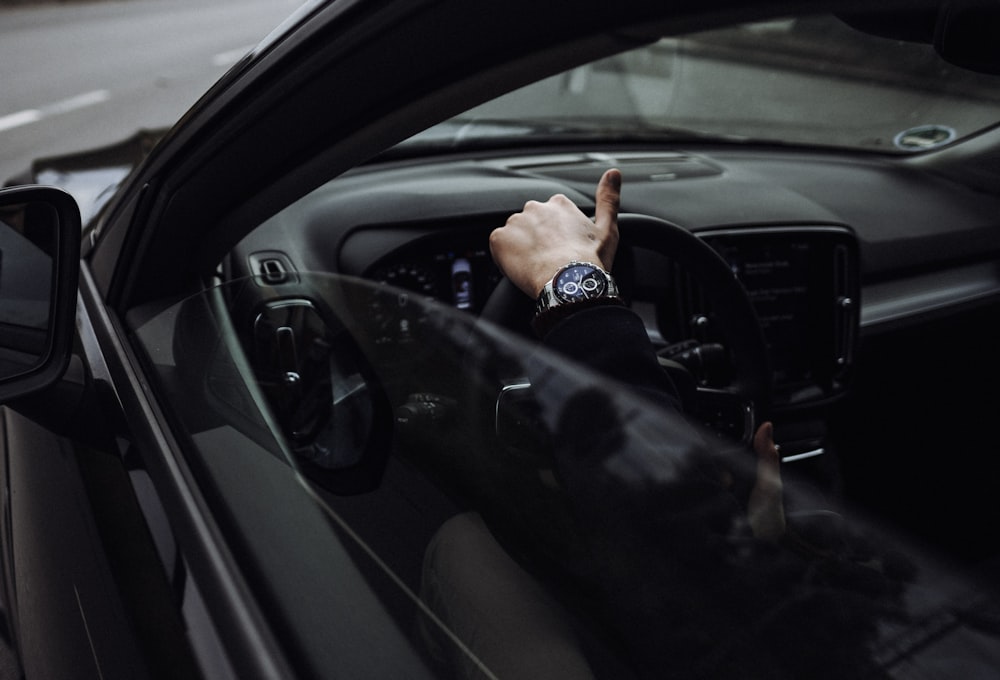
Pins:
x: 76, y: 76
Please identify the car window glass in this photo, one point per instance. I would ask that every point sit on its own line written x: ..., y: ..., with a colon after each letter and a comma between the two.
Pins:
x: 403, y: 511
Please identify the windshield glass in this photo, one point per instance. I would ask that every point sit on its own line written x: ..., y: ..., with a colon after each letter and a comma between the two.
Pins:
x: 803, y: 81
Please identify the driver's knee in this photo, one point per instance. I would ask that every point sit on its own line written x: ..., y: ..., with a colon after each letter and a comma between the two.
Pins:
x: 486, y: 612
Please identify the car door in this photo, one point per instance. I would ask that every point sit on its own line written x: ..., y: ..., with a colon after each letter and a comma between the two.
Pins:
x: 127, y: 557
x: 181, y: 507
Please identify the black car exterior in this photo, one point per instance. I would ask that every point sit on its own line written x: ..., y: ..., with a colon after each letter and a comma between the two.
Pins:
x: 171, y: 511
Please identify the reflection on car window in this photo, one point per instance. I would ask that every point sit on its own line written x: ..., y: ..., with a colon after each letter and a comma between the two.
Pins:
x: 406, y: 513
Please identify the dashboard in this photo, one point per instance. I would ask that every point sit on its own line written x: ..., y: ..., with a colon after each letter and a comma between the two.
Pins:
x: 803, y: 281
x: 829, y: 247
x: 875, y: 281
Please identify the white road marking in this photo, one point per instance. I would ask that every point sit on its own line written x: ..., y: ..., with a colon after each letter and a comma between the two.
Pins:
x: 27, y: 116
x: 78, y: 102
x: 14, y: 120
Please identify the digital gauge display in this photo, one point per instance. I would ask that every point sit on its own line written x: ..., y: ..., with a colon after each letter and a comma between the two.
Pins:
x: 461, y: 278
x: 409, y: 276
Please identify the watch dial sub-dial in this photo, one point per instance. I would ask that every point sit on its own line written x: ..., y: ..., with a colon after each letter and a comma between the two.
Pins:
x: 580, y: 282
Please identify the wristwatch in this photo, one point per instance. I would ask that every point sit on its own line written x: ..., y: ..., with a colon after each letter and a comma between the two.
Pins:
x: 575, y: 283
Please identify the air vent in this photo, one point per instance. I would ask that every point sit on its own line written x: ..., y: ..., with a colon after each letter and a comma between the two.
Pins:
x: 273, y: 271
x: 271, y: 268
x: 659, y: 168
x: 670, y: 169
x: 845, y: 311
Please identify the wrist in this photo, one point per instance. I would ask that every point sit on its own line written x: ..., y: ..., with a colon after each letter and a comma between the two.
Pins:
x: 574, y: 285
x: 543, y: 322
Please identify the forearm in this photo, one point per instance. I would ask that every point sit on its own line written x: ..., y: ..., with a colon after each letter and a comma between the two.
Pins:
x: 612, y: 340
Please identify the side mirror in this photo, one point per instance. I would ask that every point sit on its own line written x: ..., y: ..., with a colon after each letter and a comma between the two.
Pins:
x: 39, y: 273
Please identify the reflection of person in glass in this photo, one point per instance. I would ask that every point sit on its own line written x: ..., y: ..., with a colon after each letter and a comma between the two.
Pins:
x: 664, y: 559
x: 461, y: 283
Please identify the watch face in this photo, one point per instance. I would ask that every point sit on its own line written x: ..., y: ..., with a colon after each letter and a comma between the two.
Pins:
x: 580, y: 282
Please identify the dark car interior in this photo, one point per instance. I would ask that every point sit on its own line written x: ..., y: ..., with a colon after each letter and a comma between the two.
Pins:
x: 849, y: 316
x: 863, y: 322
x: 285, y: 417
x: 874, y: 279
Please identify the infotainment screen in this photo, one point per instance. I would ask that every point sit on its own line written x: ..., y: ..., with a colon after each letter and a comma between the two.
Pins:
x: 804, y: 286
x: 776, y: 275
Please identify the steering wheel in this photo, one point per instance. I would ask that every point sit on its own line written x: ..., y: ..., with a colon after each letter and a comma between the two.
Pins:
x: 734, y: 410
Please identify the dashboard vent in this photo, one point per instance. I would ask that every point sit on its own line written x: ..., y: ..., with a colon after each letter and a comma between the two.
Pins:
x: 658, y: 168
x: 271, y: 268
x: 670, y: 169
x: 845, y: 312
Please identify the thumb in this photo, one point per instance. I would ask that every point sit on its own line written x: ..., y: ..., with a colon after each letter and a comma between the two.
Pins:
x: 766, y: 511
x: 608, y: 199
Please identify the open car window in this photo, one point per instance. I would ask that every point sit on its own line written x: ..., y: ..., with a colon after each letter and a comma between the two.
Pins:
x: 411, y: 489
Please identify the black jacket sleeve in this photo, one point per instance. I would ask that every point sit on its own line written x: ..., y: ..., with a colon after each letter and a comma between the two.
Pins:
x: 613, y: 341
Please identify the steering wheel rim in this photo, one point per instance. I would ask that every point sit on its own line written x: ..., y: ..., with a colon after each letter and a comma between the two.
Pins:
x: 751, y: 384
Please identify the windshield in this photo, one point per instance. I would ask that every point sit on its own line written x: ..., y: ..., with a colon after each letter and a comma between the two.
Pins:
x: 803, y: 81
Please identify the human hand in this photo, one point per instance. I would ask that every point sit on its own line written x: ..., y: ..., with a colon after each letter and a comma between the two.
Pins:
x: 536, y: 242
x: 765, y: 510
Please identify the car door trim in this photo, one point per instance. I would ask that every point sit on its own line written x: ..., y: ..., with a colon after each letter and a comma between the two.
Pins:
x: 251, y: 649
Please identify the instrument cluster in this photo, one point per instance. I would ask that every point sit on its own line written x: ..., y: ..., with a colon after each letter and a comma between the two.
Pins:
x: 462, y: 277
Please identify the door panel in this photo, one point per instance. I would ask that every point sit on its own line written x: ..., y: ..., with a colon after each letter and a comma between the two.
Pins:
x: 70, y: 618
